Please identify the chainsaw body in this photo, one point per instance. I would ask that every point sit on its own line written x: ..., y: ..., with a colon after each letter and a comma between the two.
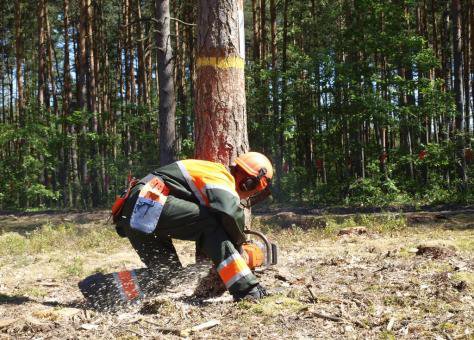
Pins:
x: 259, y: 254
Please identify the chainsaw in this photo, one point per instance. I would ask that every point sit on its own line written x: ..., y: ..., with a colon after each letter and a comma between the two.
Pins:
x: 260, y: 253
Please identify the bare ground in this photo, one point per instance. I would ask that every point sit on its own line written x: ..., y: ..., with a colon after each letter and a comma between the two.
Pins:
x: 376, y: 277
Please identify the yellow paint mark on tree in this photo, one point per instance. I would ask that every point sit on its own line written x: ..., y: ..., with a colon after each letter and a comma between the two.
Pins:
x: 221, y: 62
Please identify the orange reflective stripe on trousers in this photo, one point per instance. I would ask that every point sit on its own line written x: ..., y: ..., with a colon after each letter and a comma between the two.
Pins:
x: 232, y: 269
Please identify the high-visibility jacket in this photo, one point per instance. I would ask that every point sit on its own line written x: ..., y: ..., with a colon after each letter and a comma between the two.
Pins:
x: 208, y: 184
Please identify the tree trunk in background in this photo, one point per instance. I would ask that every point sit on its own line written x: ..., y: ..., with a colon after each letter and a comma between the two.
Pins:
x: 3, y: 68
x: 142, y: 78
x: 458, y: 89
x: 41, y: 54
x: 471, y: 27
x: 82, y: 93
x: 466, y: 59
x: 19, y: 63
x: 275, y: 96
x: 131, y: 52
x: 263, y: 30
x: 280, y: 135
x: 51, y: 62
x: 74, y: 191
x: 167, y: 109
x: 221, y: 120
x: 256, y: 29
x: 92, y: 104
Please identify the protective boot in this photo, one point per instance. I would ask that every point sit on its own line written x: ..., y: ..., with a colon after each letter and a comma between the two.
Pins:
x: 253, y: 294
x: 114, y: 290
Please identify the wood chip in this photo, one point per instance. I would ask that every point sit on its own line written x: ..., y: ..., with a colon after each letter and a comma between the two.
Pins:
x: 89, y: 326
x: 390, y: 324
x: 201, y: 327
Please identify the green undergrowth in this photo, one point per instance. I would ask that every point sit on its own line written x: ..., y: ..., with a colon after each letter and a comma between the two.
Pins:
x: 330, y: 226
x: 60, y: 237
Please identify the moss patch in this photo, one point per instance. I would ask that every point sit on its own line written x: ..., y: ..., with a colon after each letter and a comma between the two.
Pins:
x: 272, y: 305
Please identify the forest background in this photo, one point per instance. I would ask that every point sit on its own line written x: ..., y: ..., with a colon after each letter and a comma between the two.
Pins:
x: 356, y: 101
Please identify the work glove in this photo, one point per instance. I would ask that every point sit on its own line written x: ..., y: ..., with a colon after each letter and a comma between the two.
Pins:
x: 253, y: 294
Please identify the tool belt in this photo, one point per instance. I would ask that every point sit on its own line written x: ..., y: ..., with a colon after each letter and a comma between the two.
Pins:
x: 147, y: 207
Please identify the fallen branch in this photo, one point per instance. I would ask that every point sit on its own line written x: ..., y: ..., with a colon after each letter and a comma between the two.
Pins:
x: 185, y: 332
x: 326, y: 317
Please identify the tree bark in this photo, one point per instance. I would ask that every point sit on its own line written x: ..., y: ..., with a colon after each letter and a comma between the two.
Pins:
x: 19, y: 63
x: 167, y: 106
x: 82, y: 93
x: 281, y: 137
x: 263, y: 30
x: 142, y: 78
x: 71, y: 129
x: 221, y: 121
x: 256, y: 29
x: 51, y: 61
x: 41, y: 54
x: 458, y: 89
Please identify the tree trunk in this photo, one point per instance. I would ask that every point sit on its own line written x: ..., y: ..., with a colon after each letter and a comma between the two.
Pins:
x: 41, y: 54
x: 92, y: 103
x: 466, y: 66
x: 281, y: 138
x: 256, y: 29
x: 458, y: 90
x: 19, y: 63
x: 51, y: 61
x: 82, y: 93
x: 74, y: 192
x: 263, y: 30
x: 142, y: 78
x: 221, y: 121
x: 275, y: 86
x: 167, y: 106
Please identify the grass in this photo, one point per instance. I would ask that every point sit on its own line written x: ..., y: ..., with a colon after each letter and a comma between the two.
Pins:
x: 465, y: 243
x: 61, y: 237
x: 32, y: 291
x: 393, y: 224
x: 73, y: 268
x: 468, y: 277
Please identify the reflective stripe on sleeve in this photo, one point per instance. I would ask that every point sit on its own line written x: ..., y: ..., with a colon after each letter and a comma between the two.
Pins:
x: 190, y: 182
x: 233, y: 269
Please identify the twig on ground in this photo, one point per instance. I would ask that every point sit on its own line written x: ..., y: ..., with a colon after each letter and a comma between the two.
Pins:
x: 164, y: 330
x: 134, y: 332
x: 326, y: 317
x: 185, y: 332
x: 381, y: 269
x: 313, y: 297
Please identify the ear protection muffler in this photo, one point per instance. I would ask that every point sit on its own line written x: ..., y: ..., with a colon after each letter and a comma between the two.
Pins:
x: 252, y: 182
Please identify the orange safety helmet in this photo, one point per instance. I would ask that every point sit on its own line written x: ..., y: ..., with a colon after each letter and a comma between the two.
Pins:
x: 258, y: 167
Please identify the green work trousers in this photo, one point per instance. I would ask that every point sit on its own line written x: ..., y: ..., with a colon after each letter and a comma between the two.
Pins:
x: 184, y: 220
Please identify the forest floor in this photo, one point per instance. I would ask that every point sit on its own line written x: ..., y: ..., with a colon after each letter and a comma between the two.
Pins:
x: 376, y: 276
